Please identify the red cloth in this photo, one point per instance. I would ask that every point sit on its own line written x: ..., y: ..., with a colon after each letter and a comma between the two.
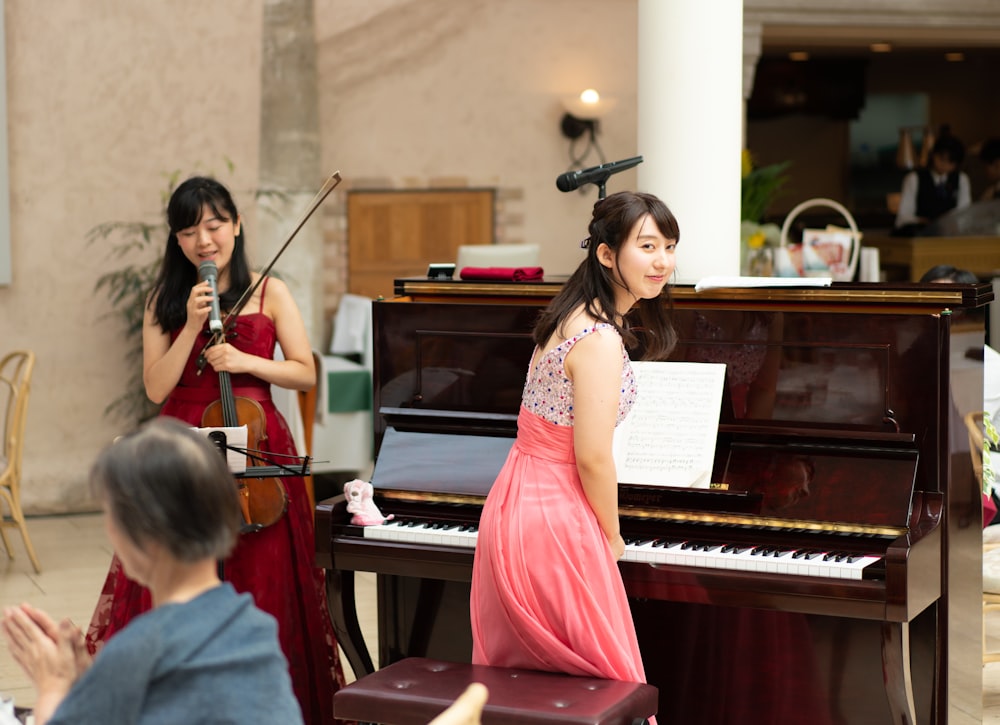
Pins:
x: 275, y: 565
x: 989, y: 510
x: 502, y: 274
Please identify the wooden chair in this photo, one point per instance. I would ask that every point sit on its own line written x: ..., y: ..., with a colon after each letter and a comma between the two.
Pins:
x: 991, y: 592
x: 991, y: 544
x: 307, y: 409
x: 15, y: 383
x: 467, y: 709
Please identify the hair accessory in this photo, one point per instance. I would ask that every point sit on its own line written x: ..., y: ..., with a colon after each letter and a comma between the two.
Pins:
x: 585, y: 243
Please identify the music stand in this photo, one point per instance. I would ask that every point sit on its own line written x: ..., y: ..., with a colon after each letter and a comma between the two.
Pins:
x: 232, y: 444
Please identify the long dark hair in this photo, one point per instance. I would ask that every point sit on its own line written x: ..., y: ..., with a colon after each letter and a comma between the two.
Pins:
x: 164, y: 483
x: 177, y: 274
x: 593, y: 284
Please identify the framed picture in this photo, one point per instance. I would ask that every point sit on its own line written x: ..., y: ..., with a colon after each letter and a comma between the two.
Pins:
x: 827, y: 252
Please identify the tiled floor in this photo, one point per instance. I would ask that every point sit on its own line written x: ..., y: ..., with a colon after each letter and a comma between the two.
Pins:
x: 74, y: 555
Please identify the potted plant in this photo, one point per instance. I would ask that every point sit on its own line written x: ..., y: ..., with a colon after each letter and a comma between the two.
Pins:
x: 758, y: 187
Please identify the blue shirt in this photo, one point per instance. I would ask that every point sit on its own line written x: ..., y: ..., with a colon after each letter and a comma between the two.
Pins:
x: 214, y: 659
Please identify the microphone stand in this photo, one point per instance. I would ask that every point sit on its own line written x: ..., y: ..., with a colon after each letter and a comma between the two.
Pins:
x: 600, y: 183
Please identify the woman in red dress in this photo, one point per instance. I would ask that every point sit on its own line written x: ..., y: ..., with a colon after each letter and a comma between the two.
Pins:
x: 274, y: 564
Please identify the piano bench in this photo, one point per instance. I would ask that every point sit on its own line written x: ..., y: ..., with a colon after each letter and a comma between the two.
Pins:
x: 414, y: 691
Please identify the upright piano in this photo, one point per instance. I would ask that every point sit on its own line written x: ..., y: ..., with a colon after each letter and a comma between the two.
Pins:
x: 831, y: 573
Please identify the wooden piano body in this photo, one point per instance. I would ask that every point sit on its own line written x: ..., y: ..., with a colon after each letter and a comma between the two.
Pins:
x: 854, y: 379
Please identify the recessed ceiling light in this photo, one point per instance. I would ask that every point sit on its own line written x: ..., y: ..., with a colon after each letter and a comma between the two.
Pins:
x: 955, y: 57
x: 798, y: 55
x: 881, y: 47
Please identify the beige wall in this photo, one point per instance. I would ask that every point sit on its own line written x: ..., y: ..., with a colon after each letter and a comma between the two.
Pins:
x: 104, y: 97
x: 470, y: 89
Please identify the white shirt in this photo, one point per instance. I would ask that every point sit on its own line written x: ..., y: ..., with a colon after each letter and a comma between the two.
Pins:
x: 907, y: 213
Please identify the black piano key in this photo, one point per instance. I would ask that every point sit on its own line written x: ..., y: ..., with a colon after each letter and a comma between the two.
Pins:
x: 667, y: 543
x: 809, y: 554
x: 699, y: 545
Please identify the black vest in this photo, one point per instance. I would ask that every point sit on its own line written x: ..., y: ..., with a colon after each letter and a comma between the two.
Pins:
x: 933, y: 201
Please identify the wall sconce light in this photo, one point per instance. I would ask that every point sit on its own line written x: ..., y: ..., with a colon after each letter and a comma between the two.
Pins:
x: 581, y: 119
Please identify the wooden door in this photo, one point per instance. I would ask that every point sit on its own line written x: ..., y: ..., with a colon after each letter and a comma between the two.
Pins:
x: 395, y: 234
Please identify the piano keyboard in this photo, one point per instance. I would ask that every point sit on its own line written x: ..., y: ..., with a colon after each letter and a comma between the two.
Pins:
x: 710, y: 555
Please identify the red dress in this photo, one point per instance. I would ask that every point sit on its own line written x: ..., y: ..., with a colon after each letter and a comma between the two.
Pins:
x: 275, y: 564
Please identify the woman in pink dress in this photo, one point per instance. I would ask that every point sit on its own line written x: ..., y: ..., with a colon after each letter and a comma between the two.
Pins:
x: 274, y: 564
x: 546, y: 590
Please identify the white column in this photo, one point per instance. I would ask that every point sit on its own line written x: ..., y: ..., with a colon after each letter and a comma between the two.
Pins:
x: 690, y: 111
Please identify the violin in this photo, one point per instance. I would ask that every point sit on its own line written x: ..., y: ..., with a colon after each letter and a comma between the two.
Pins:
x: 263, y: 500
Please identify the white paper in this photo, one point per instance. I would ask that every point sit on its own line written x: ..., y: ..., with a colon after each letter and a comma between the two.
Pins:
x: 669, y: 437
x: 726, y: 281
x: 235, y: 438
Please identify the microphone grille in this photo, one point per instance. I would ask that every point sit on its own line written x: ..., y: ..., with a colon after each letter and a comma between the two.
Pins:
x: 207, y: 269
x: 566, y: 182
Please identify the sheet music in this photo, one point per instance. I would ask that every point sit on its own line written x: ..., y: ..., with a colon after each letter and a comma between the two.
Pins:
x: 669, y: 437
x: 235, y: 438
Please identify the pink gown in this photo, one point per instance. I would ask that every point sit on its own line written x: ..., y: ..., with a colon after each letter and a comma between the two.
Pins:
x: 546, y: 590
x: 275, y: 565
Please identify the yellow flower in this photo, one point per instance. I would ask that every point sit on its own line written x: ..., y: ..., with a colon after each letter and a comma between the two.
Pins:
x: 756, y: 240
x: 746, y: 163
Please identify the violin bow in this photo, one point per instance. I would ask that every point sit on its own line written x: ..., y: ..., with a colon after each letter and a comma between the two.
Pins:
x: 329, y: 185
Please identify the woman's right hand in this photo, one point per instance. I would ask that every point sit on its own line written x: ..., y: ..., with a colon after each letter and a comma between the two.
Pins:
x: 199, y: 305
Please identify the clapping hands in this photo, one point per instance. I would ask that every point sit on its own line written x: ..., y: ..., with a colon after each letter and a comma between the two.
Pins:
x: 53, y: 654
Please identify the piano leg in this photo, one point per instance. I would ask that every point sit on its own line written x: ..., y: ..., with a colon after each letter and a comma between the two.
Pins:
x: 896, y: 670
x: 342, y: 602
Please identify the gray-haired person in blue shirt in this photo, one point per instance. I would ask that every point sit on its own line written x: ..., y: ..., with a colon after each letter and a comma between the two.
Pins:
x: 203, y: 653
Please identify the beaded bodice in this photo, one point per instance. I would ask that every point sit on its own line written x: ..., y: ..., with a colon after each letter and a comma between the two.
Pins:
x: 548, y: 392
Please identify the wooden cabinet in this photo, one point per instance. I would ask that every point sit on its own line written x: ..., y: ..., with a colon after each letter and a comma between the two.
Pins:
x: 908, y: 258
x: 393, y: 234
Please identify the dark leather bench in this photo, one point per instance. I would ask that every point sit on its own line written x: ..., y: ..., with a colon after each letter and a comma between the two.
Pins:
x: 415, y: 690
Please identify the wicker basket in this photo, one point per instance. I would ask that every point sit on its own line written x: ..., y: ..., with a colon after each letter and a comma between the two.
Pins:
x: 847, y: 274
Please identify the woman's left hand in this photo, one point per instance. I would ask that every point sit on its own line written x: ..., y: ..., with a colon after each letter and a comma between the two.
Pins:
x: 227, y: 358
x: 617, y: 544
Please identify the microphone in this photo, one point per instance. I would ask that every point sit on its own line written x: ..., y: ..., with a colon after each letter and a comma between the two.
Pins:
x: 572, y: 180
x: 208, y: 272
